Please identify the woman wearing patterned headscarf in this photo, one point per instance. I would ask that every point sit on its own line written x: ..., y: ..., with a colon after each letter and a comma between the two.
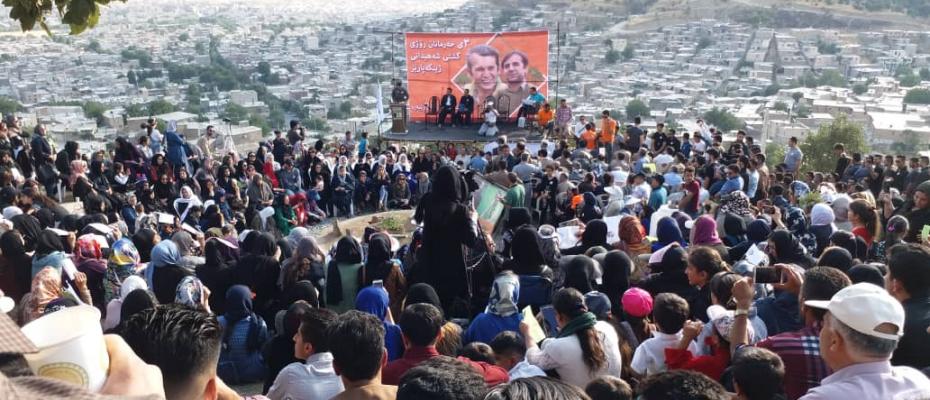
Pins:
x: 124, y: 261
x: 501, y: 314
x: 633, y: 237
x: 88, y: 258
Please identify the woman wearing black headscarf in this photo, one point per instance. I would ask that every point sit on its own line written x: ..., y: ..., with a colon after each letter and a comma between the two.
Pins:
x: 758, y: 231
x: 668, y: 276
x: 590, y: 210
x: 15, y: 266
x: 215, y: 273
x: 784, y: 248
x: 279, y: 352
x: 145, y: 240
x: 259, y: 269
x: 448, y: 224
x: 516, y: 217
x: 135, y: 302
x: 595, y: 234
x: 244, y: 332
x: 379, y: 266
x: 616, y: 267
x: 29, y: 227
x: 580, y: 273
x: 856, y: 245
x: 527, y: 255
x: 836, y: 257
x: 342, y: 282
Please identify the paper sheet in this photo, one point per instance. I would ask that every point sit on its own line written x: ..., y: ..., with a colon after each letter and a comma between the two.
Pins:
x: 535, y: 332
x: 567, y: 236
x: 613, y: 228
x: 925, y: 233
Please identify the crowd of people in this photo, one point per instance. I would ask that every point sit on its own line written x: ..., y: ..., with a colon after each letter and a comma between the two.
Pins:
x: 626, y: 264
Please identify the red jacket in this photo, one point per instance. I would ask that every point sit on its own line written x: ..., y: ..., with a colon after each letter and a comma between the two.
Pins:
x: 711, y: 365
x: 390, y: 375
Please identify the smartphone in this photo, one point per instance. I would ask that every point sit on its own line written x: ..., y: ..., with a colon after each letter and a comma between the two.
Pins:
x: 378, y: 283
x: 768, y: 210
x: 767, y: 275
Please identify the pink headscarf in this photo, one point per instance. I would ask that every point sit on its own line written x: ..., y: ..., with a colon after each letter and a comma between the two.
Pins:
x: 78, y: 168
x: 704, y: 232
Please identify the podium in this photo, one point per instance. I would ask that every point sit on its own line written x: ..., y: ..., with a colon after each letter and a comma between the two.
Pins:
x: 398, y: 118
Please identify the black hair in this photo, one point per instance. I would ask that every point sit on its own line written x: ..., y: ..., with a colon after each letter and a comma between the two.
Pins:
x: 721, y: 286
x: 670, y: 312
x: 608, y: 387
x: 910, y: 264
x: 759, y: 373
x: 441, y: 378
x: 821, y: 283
x: 707, y: 259
x: 181, y: 341
x: 836, y: 257
x: 314, y: 326
x: 356, y: 341
x: 536, y: 388
x: 421, y: 323
x: 570, y: 303
x: 508, y: 342
x: 681, y: 385
x: 477, y: 351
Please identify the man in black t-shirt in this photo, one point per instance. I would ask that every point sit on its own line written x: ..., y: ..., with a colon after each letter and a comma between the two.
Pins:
x: 634, y: 139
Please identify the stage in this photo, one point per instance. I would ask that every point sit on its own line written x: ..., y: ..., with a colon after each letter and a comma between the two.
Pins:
x: 421, y: 132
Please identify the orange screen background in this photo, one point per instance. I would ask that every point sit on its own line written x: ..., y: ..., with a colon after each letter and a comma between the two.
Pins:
x: 436, y: 61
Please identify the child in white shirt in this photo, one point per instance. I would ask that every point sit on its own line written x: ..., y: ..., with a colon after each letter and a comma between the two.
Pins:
x: 669, y: 312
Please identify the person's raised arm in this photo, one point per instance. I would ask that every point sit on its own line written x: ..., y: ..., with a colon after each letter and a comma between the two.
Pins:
x: 742, y: 293
x: 691, y: 330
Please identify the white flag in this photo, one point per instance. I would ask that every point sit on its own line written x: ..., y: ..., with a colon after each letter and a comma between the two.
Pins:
x: 379, y: 106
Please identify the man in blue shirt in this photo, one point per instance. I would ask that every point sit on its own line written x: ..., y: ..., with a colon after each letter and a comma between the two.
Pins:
x: 794, y: 156
x: 734, y: 181
x: 531, y: 103
x: 478, y: 163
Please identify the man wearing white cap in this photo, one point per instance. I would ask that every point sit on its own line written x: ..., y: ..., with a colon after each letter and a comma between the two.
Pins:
x: 860, y: 332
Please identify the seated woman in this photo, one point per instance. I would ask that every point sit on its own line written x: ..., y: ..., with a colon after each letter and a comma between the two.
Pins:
x: 244, y: 334
x: 584, y: 349
x: 400, y: 193
x: 342, y: 275
x: 501, y: 314
x: 374, y: 300
x: 527, y: 254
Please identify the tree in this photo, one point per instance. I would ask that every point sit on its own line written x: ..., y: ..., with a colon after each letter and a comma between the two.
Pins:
x: 925, y: 74
x: 860, y: 88
x: 802, y: 111
x: 917, y: 96
x: 135, y: 110
x: 315, y: 124
x: 94, y: 46
x: 235, y: 112
x: 909, y: 80
x: 612, y: 56
x: 131, y: 76
x: 79, y: 15
x: 723, y: 120
x: 797, y: 96
x: 771, y: 90
x: 184, y: 37
x: 832, y: 78
x: 704, y: 43
x: 9, y: 106
x: 346, y: 108
x: 95, y: 110
x: 910, y: 143
x: 636, y: 108
x: 132, y: 53
x: 827, y: 48
x: 160, y: 106
x: 818, y: 147
x: 628, y: 51
x: 781, y: 106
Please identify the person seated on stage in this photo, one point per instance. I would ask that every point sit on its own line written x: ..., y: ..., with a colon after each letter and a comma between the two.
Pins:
x: 489, y: 127
x: 466, y: 107
x: 447, y: 107
x: 531, y: 103
x: 399, y: 94
x: 545, y: 120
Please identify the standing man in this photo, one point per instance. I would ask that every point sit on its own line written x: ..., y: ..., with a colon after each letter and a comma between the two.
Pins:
x: 513, y: 68
x: 793, y: 156
x: 908, y: 281
x: 563, y: 120
x: 206, y: 142
x: 466, y: 107
x: 634, y: 136
x: 659, y: 139
x: 295, y: 134
x: 607, y: 135
x: 447, y: 107
x: 483, y: 69
x: 399, y: 95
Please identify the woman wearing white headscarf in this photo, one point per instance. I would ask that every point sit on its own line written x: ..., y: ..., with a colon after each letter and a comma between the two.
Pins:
x: 502, y: 313
x: 188, y: 199
x: 822, y: 227
x: 841, y: 212
x: 129, y: 284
